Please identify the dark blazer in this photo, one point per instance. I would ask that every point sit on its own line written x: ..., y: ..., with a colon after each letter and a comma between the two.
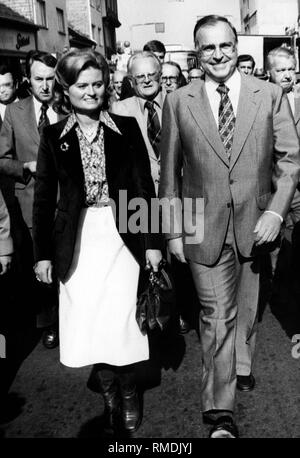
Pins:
x: 265, y: 152
x: 59, y: 163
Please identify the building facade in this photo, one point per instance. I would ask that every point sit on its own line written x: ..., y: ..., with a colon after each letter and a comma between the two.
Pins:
x: 50, y: 17
x: 269, y: 17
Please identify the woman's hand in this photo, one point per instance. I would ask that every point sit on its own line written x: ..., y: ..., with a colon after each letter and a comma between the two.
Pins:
x: 153, y: 258
x: 43, y: 271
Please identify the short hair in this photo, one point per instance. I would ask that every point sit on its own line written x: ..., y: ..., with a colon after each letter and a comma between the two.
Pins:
x: 213, y: 19
x: 6, y: 67
x: 245, y: 58
x: 181, y: 79
x: 141, y: 55
x: 68, y: 69
x: 155, y: 46
x: 39, y: 56
x: 11, y: 66
x: 279, y: 51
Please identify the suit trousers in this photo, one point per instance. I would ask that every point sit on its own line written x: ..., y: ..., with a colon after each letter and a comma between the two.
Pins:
x: 228, y: 294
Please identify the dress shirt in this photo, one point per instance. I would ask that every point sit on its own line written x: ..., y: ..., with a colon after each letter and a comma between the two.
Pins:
x: 158, y: 104
x: 2, y: 110
x: 52, y: 116
x: 291, y: 98
x: 234, y: 85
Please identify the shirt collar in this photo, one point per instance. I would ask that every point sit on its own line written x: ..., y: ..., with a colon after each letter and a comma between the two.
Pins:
x: 158, y: 101
x: 233, y: 83
x: 104, y: 118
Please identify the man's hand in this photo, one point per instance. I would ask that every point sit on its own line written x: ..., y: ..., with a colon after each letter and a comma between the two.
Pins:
x: 175, y: 247
x: 31, y: 166
x: 267, y: 228
x: 43, y: 271
x: 153, y: 258
x: 5, y: 262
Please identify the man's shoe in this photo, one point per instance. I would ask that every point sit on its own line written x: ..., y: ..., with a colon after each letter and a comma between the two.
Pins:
x: 50, y: 338
x: 224, y: 428
x: 245, y: 382
x: 184, y: 327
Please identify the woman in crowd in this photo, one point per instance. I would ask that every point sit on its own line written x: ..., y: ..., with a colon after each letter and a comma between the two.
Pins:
x: 93, y: 157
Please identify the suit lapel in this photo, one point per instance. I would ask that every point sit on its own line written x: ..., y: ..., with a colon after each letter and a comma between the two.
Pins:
x: 246, y: 112
x: 297, y: 107
x: 28, y: 119
x: 69, y: 151
x: 200, y: 109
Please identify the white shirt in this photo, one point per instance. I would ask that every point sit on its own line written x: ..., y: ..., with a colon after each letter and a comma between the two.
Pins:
x: 214, y: 98
x: 291, y: 99
x: 234, y: 86
x: 52, y: 116
x: 2, y: 110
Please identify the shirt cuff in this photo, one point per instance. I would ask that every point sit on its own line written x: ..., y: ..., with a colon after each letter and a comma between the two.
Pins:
x: 274, y: 213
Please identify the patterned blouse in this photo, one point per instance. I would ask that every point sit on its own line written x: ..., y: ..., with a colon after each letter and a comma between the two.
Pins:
x: 93, y: 159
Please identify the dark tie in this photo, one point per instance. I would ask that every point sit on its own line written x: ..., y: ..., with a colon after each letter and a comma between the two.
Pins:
x: 44, y: 120
x: 153, y: 127
x: 226, y: 119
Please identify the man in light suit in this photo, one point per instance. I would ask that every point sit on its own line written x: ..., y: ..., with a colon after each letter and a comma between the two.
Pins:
x: 19, y: 142
x: 144, y: 70
x: 228, y: 142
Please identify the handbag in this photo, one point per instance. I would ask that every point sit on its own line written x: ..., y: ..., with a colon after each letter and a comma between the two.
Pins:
x: 156, y: 304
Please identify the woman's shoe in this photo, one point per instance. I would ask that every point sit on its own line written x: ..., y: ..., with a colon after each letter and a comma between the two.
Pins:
x: 131, y: 412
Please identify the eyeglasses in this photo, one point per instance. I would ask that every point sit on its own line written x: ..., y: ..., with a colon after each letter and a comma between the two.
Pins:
x: 225, y: 48
x: 149, y: 76
x: 172, y: 79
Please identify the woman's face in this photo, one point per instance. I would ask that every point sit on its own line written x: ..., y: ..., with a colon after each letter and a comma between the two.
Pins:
x: 87, y: 94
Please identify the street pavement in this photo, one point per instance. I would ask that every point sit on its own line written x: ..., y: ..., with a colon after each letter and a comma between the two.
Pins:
x: 49, y: 400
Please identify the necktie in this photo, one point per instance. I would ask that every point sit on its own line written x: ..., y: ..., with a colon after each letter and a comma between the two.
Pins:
x: 153, y: 127
x: 44, y: 120
x: 226, y: 119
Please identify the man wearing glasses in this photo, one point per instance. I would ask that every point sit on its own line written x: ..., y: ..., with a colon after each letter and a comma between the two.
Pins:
x: 231, y: 141
x: 144, y: 71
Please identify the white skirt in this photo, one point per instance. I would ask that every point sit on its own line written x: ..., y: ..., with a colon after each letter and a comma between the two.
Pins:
x: 97, y: 303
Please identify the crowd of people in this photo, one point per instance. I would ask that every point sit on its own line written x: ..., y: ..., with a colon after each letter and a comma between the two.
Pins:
x: 75, y: 136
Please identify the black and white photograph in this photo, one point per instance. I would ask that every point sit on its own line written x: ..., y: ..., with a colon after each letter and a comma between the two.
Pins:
x: 149, y: 222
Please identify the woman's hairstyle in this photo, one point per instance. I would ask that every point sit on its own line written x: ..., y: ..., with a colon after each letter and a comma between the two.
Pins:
x: 67, y: 72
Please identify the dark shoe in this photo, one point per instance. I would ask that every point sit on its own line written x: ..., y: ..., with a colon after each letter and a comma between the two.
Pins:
x: 112, y: 407
x: 50, y: 338
x: 184, y: 327
x: 245, y: 382
x: 224, y: 428
x: 131, y: 412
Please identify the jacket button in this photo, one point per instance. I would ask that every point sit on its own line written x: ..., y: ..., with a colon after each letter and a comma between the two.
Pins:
x: 228, y: 205
x: 231, y: 181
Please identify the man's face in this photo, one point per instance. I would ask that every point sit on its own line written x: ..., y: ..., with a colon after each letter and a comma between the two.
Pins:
x: 195, y: 74
x: 283, y: 72
x: 160, y: 56
x: 146, y: 77
x: 117, y: 81
x: 169, y: 77
x: 7, y: 88
x: 246, y: 67
x: 218, y: 51
x: 42, y: 80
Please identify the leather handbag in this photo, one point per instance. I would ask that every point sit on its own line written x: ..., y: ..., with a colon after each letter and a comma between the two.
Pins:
x: 156, y: 304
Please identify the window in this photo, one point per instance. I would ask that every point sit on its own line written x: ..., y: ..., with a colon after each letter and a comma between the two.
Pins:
x: 60, y: 20
x: 94, y: 32
x: 41, y: 13
x: 159, y: 27
x: 99, y: 36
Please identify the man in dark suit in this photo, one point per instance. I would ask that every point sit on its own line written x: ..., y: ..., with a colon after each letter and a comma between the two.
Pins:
x: 225, y: 141
x: 19, y: 142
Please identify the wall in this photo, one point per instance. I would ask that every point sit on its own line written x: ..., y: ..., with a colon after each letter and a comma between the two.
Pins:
x: 50, y: 39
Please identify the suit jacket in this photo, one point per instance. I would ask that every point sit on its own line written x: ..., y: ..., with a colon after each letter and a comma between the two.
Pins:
x: 6, y: 244
x: 131, y: 107
x: 19, y: 143
x: 59, y: 163
x: 262, y: 172
x: 297, y: 108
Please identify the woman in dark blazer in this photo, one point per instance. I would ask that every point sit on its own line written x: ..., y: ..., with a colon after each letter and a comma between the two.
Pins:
x: 97, y: 163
